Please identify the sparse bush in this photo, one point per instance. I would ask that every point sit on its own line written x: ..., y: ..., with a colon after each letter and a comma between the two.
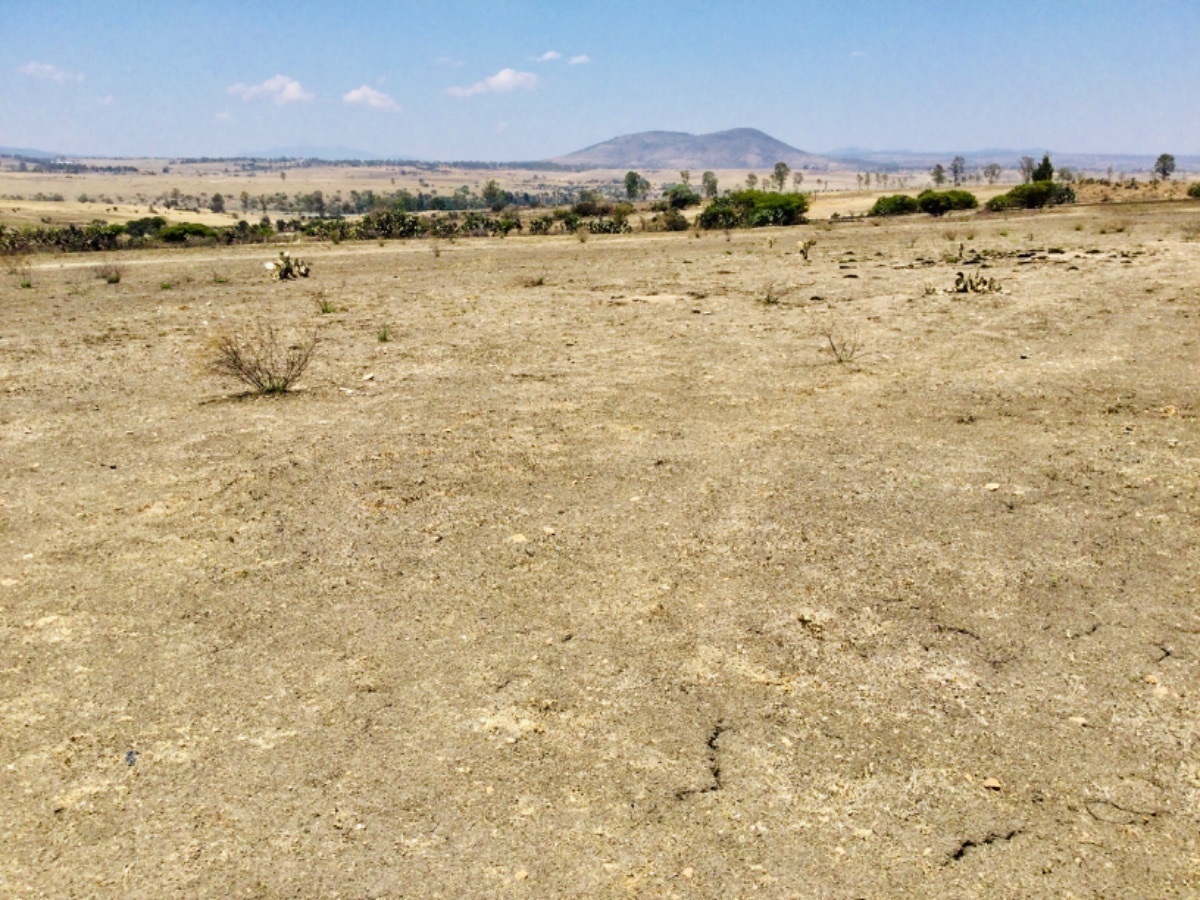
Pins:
x: 938, y: 203
x: 895, y: 205
x: 110, y: 272
x: 1194, y: 190
x: 843, y: 342
x: 257, y: 357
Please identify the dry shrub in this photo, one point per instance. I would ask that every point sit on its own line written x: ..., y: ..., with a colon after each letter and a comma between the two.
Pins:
x: 259, y: 358
x: 844, y: 342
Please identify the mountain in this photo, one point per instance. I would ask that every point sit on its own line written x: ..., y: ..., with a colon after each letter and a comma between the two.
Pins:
x: 741, y: 148
x: 28, y: 154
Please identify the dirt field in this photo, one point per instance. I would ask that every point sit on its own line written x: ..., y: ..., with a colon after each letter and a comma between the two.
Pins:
x: 601, y: 577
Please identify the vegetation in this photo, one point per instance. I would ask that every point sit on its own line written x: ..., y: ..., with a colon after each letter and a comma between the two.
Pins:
x: 1034, y: 195
x: 895, y: 205
x: 1043, y: 171
x: 1194, y: 190
x: 708, y: 183
x: 680, y: 196
x: 754, y: 209
x: 1164, y: 166
x: 258, y: 358
x: 938, y: 203
x: 286, y: 268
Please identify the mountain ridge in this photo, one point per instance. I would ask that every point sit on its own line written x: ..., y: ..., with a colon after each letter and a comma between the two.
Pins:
x: 737, y: 148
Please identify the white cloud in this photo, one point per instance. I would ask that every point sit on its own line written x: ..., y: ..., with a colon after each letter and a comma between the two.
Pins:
x: 548, y: 56
x: 580, y: 59
x: 501, y: 127
x: 281, y: 89
x: 48, y: 72
x: 106, y: 100
x: 368, y: 96
x: 501, y: 83
x: 450, y: 61
x: 223, y: 117
x: 857, y: 54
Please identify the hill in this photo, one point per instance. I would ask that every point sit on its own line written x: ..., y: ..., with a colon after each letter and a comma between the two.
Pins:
x: 740, y: 148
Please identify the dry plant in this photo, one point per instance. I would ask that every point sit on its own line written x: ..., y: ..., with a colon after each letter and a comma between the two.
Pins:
x: 110, y: 272
x: 805, y: 246
x: 259, y: 358
x: 844, y: 342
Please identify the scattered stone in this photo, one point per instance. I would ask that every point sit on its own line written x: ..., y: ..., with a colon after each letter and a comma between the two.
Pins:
x: 993, y: 784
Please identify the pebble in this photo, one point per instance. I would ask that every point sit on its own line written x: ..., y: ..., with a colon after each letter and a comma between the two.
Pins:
x: 991, y: 486
x: 992, y: 784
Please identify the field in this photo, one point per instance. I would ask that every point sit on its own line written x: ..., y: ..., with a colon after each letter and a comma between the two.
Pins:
x: 603, y: 576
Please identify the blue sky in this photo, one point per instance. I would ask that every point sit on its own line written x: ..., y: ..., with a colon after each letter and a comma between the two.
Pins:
x: 529, y: 80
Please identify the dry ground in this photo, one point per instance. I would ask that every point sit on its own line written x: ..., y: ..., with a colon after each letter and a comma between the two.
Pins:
x: 613, y: 584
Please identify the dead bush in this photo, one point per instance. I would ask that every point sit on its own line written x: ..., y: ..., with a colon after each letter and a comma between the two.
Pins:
x: 259, y: 358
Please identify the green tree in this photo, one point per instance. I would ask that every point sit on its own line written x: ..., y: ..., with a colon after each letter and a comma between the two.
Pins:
x: 633, y: 185
x: 685, y: 176
x: 958, y: 168
x: 751, y: 181
x: 992, y: 172
x: 245, y: 198
x: 1044, y: 170
x: 708, y: 181
x: 494, y: 196
x: 782, y: 171
x: 1164, y: 166
x: 938, y: 173
x: 217, y: 203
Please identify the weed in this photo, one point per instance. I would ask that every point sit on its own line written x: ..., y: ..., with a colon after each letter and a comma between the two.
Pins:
x: 325, y: 306
x: 166, y: 286
x: 257, y: 357
x: 581, y: 234
x: 218, y: 278
x: 435, y: 247
x: 385, y: 334
x: 532, y: 282
x: 770, y: 296
x: 844, y: 343
x: 110, y: 272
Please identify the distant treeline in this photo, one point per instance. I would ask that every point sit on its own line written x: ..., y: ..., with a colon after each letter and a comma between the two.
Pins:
x: 269, y: 164
x: 57, y: 167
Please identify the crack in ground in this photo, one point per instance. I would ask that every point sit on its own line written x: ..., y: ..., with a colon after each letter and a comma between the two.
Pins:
x: 991, y: 837
x: 714, y: 766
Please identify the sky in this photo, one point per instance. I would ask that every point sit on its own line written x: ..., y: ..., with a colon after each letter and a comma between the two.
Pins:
x: 526, y: 80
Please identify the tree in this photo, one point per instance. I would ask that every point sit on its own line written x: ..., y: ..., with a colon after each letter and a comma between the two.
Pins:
x: 751, y: 181
x: 938, y: 173
x: 633, y: 184
x: 245, y: 198
x: 1026, y: 167
x: 797, y: 180
x: 708, y: 182
x: 1164, y: 166
x: 494, y: 196
x: 217, y: 203
x: 1044, y: 170
x: 782, y: 171
x: 992, y: 172
x: 685, y: 176
x: 958, y: 167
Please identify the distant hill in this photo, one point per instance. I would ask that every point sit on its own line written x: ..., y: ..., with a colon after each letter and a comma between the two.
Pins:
x: 27, y: 153
x: 741, y: 148
x: 312, y: 151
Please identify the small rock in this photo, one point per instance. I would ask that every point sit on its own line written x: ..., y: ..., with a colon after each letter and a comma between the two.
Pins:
x: 369, y: 377
x: 518, y: 539
x: 1078, y: 720
x: 521, y: 875
x: 991, y: 486
x: 992, y: 784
